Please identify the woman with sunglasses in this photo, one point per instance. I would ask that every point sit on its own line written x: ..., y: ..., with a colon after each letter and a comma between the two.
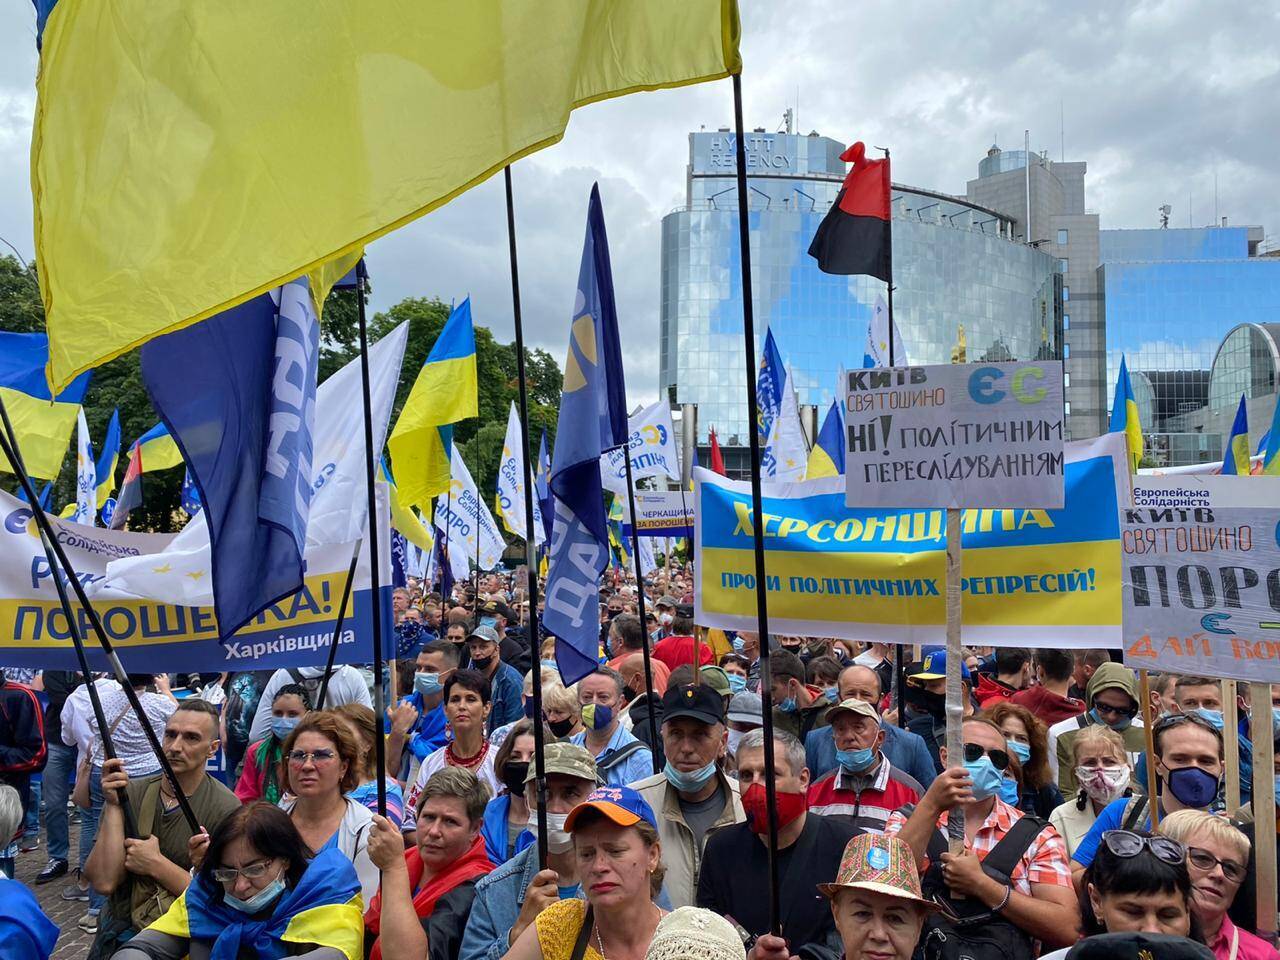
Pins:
x: 321, y: 766
x: 260, y: 892
x: 1218, y: 857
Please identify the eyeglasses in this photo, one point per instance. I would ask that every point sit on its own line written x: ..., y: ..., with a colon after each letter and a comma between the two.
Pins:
x: 973, y: 752
x: 1129, y: 712
x: 1127, y: 844
x: 253, y: 871
x: 1169, y: 722
x: 1202, y: 859
x: 318, y: 757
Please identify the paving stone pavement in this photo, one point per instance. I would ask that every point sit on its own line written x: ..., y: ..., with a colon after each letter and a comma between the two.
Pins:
x: 73, y: 943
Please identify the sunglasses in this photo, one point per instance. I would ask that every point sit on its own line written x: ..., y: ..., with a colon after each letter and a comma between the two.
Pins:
x: 299, y: 757
x: 1167, y: 723
x: 1129, y: 712
x: 1204, y: 860
x: 973, y: 752
x: 1127, y: 844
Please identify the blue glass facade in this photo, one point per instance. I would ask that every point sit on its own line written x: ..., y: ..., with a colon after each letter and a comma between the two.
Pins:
x: 954, y: 269
x: 1205, y: 243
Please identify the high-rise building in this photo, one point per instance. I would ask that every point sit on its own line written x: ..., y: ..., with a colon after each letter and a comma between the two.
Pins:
x: 960, y: 273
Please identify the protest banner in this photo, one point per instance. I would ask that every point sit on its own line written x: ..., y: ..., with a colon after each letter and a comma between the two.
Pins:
x: 153, y: 636
x: 1034, y: 577
x: 1201, y: 577
x: 955, y: 435
x: 467, y: 517
x: 652, y: 443
x: 661, y: 514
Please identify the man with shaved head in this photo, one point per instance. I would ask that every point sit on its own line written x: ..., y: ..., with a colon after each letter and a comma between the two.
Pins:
x: 905, y: 750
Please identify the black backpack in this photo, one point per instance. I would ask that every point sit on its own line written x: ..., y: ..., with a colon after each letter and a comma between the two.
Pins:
x: 966, y: 929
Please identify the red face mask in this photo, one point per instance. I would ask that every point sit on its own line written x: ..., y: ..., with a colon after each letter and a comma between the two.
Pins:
x: 755, y: 805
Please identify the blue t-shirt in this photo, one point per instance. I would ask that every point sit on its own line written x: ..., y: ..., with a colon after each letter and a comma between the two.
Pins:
x: 25, y: 932
x: 1111, y: 818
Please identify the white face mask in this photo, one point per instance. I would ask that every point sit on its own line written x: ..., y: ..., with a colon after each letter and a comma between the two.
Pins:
x: 558, y: 839
x: 1103, y: 784
x: 735, y: 738
x: 665, y: 619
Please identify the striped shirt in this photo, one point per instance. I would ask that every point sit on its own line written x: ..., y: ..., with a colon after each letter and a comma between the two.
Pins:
x: 864, y: 799
x: 1045, y: 861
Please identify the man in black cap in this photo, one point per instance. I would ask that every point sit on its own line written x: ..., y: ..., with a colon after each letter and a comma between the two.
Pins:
x: 692, y: 796
x: 513, y: 643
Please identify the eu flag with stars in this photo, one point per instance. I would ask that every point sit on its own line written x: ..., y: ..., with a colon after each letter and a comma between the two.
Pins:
x: 593, y: 419
x: 237, y: 393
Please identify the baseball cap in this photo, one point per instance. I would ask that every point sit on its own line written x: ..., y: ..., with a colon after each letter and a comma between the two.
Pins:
x: 746, y: 707
x: 1138, y: 946
x: 934, y: 667
x: 568, y: 759
x: 878, y: 864
x: 684, y: 610
x: 859, y: 707
x: 716, y: 679
x: 666, y: 600
x: 698, y: 701
x: 485, y: 633
x: 622, y: 805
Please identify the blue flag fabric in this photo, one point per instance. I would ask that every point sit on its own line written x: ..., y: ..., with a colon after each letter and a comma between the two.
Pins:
x: 45, y: 496
x: 190, y: 495
x: 542, y: 485
x: 399, y: 559
x: 770, y: 381
x: 242, y: 417
x: 593, y: 419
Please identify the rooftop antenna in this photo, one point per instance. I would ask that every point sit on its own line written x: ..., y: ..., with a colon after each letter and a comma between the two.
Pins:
x: 1165, y: 210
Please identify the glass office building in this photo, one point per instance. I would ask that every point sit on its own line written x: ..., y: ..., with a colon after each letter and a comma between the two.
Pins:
x: 958, y: 276
x: 1169, y: 298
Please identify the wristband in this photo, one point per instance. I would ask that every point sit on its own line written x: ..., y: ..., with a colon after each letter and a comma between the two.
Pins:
x: 1008, y: 892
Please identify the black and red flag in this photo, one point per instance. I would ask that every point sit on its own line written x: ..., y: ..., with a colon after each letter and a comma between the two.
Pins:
x: 854, y: 236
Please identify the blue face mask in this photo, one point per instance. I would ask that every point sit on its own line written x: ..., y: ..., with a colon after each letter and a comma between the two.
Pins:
x: 1019, y: 749
x: 689, y: 782
x: 1192, y: 786
x: 1009, y: 791
x: 737, y: 682
x: 739, y: 644
x: 600, y: 716
x: 1122, y: 724
x: 427, y: 684
x: 259, y: 901
x: 1213, y: 716
x: 788, y: 705
x: 855, y: 760
x: 986, y: 778
x: 281, y: 727
x: 489, y: 622
x: 831, y: 693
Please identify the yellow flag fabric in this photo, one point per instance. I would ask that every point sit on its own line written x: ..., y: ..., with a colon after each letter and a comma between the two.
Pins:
x: 43, y: 428
x: 188, y: 155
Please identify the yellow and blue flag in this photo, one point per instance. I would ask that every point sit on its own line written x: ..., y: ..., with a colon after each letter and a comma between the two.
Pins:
x: 445, y: 392
x: 1270, y: 446
x: 155, y: 450
x: 1124, y: 416
x: 105, y: 470
x: 593, y: 419
x: 403, y: 519
x: 183, y: 157
x: 1235, y: 456
x: 41, y: 421
x: 542, y: 486
x: 826, y: 459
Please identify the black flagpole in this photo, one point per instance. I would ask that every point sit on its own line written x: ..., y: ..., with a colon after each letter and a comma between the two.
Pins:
x: 337, y: 631
x: 757, y: 512
x: 530, y: 540
x: 375, y: 573
x: 9, y: 446
x: 644, y: 628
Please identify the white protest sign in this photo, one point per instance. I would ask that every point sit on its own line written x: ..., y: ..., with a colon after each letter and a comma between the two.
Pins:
x: 465, y: 514
x: 955, y: 435
x: 1201, y: 576
x: 652, y: 443
x: 665, y: 514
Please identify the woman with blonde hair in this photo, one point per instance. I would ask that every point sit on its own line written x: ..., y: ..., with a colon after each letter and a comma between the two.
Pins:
x: 364, y: 725
x: 561, y: 708
x: 1218, y: 858
x: 1102, y: 770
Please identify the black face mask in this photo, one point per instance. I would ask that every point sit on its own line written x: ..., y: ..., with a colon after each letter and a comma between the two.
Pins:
x: 612, y: 613
x: 481, y: 663
x: 513, y: 775
x: 922, y: 701
x: 561, y: 727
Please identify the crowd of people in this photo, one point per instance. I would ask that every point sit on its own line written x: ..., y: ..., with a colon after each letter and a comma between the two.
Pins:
x: 654, y: 802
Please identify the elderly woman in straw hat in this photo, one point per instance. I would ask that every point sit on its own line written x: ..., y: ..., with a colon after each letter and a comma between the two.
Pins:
x: 876, y: 899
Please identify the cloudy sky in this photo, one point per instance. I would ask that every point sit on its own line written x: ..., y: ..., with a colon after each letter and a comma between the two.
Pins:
x: 1155, y: 96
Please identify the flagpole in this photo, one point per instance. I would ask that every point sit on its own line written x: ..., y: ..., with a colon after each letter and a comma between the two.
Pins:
x: 73, y: 628
x: 9, y: 446
x: 757, y: 511
x: 644, y: 628
x: 337, y: 631
x: 375, y: 574
x: 530, y: 540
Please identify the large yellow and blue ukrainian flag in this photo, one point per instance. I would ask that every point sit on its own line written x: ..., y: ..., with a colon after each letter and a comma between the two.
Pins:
x: 593, y: 419
x: 155, y: 450
x: 174, y: 123
x: 445, y: 392
x: 1235, y: 456
x: 1270, y: 446
x: 41, y: 421
x: 1124, y: 416
x: 826, y: 459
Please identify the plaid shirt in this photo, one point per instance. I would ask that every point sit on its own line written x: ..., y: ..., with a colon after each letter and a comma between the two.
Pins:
x: 1045, y: 861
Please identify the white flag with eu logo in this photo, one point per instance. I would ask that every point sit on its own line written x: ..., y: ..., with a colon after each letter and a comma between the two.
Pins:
x: 651, y: 441
x: 512, y: 474
x: 86, y: 476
